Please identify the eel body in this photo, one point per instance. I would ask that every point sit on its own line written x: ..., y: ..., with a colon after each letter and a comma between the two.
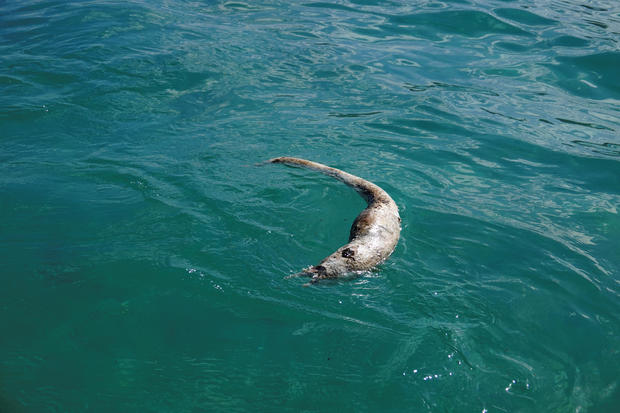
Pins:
x: 374, y: 233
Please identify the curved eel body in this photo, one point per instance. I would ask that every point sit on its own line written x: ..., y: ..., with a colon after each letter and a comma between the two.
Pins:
x: 374, y: 233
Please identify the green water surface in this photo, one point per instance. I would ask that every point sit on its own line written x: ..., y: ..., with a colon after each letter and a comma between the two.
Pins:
x: 143, y: 251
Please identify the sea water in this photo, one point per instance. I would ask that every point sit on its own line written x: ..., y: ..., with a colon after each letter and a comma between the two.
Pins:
x: 143, y: 250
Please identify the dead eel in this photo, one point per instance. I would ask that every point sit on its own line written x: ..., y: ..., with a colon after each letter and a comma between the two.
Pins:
x: 374, y: 233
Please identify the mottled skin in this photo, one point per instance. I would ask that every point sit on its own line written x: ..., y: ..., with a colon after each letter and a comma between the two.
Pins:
x: 374, y: 233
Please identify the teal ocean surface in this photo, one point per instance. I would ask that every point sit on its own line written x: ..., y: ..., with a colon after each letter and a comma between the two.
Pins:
x: 143, y: 249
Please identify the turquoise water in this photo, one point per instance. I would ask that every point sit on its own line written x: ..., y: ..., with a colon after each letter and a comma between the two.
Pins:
x: 143, y: 252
